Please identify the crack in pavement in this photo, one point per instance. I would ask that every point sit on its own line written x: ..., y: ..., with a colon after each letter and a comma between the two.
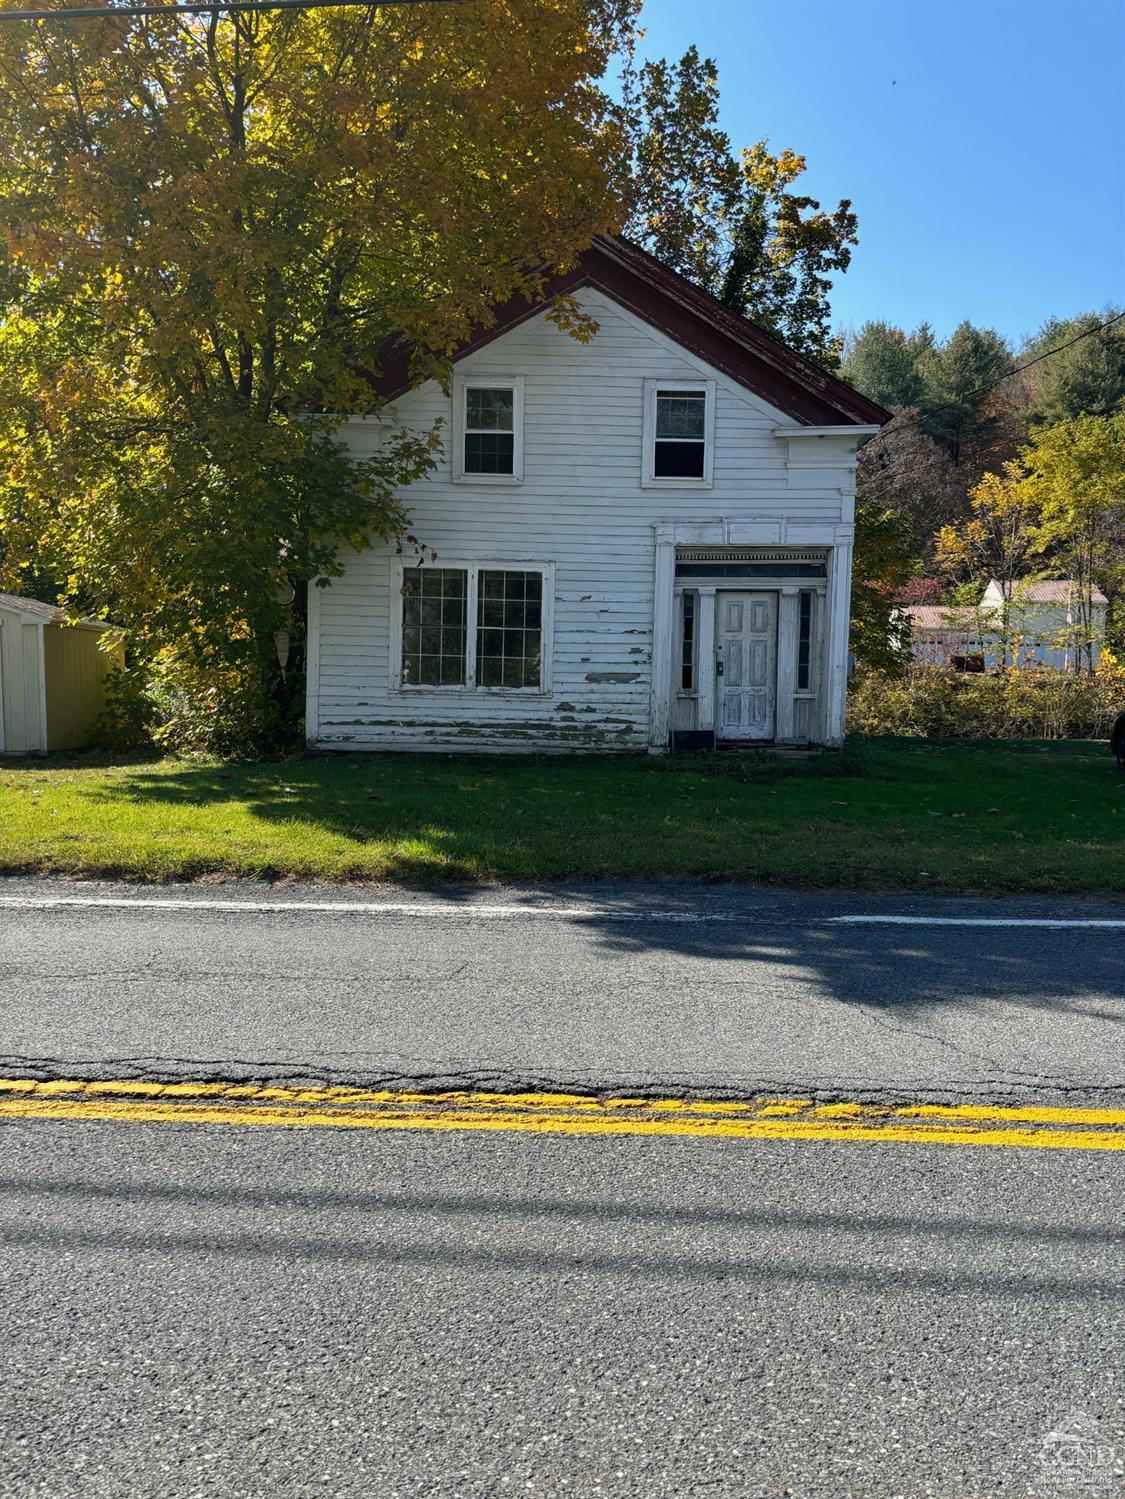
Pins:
x: 304, y: 1073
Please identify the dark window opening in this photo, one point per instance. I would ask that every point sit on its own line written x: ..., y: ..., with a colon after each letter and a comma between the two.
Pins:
x: 433, y: 626
x: 489, y: 452
x: 804, y: 642
x: 509, y: 629
x: 687, y: 648
x: 490, y: 444
x: 750, y: 570
x: 681, y: 435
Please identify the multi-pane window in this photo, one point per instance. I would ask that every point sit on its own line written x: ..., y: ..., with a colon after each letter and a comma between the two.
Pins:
x: 434, y: 603
x: 490, y: 422
x: 680, y: 440
x: 804, y: 641
x: 687, y: 644
x: 473, y: 626
x: 509, y: 628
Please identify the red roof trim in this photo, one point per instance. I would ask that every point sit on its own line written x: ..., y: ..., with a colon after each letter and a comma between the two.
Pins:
x: 698, y: 322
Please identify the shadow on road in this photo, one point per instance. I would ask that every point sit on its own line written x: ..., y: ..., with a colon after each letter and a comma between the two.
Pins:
x: 831, y: 1257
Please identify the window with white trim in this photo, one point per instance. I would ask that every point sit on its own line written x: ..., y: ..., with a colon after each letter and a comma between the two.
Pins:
x: 805, y: 606
x: 488, y: 429
x: 679, y: 428
x: 479, y: 626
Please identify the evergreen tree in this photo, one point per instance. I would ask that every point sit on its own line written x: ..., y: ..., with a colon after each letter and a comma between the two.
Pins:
x: 956, y: 378
x: 1085, y: 379
x: 882, y: 362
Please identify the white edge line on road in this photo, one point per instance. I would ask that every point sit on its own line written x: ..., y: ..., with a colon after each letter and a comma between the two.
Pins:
x: 363, y: 908
x: 1050, y: 922
x: 507, y: 912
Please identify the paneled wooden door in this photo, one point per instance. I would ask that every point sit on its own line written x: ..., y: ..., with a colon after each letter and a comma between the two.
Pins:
x: 747, y: 642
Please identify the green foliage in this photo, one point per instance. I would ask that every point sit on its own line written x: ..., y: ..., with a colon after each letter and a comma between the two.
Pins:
x: 730, y: 223
x: 883, y: 362
x: 1010, y: 703
x: 784, y: 250
x: 213, y: 224
x: 884, y: 560
x: 1074, y: 476
x: 1086, y: 379
x: 128, y: 715
x: 954, y: 376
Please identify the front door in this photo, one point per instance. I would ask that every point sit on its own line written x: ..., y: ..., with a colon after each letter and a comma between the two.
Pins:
x: 747, y: 641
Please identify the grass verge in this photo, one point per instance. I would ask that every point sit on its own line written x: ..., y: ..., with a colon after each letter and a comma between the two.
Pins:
x: 907, y: 813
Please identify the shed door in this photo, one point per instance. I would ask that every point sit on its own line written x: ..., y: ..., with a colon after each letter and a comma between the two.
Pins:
x: 747, y: 665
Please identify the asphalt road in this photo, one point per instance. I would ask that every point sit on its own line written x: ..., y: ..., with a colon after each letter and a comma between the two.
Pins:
x: 213, y: 1310
x: 650, y: 988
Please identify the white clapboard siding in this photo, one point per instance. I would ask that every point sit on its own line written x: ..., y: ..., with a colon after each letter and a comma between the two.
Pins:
x: 583, y: 508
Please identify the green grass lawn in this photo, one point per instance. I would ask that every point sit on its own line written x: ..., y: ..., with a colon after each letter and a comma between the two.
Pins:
x: 923, y: 814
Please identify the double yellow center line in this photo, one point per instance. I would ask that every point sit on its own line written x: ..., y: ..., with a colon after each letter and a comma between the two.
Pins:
x: 563, y: 1114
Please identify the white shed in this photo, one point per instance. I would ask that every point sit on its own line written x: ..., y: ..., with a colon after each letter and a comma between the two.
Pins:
x: 52, y: 676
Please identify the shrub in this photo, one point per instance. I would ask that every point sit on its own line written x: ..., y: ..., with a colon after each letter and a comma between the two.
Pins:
x: 217, y: 707
x: 1008, y: 703
x: 128, y: 714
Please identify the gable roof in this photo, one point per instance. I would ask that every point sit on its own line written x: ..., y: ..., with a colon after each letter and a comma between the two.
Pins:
x: 941, y: 617
x: 45, y: 612
x: 1049, y: 591
x: 48, y: 614
x: 700, y: 323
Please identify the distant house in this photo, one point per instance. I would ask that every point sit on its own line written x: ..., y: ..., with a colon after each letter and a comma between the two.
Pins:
x: 949, y: 635
x: 1048, y: 617
x: 52, y: 676
x: 1044, y: 616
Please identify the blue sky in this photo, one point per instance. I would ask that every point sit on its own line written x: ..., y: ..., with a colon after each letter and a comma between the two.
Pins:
x: 981, y: 141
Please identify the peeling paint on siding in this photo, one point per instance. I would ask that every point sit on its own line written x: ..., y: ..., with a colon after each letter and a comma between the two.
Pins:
x: 613, y: 676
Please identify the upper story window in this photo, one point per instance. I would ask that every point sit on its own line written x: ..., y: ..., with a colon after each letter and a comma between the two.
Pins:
x: 488, y: 429
x: 679, y: 432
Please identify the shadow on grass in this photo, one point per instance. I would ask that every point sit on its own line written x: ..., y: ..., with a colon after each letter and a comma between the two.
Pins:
x: 460, y: 817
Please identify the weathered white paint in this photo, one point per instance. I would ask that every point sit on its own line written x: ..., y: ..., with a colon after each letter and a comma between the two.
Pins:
x: 748, y: 684
x: 582, y: 505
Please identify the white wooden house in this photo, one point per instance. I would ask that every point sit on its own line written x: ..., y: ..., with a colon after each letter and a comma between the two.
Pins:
x: 643, y: 540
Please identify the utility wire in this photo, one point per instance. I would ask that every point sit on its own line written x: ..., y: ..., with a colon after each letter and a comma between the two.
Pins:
x: 975, y: 395
x: 107, y: 12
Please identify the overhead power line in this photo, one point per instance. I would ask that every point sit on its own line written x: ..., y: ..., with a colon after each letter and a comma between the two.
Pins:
x: 108, y: 12
x: 975, y: 395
